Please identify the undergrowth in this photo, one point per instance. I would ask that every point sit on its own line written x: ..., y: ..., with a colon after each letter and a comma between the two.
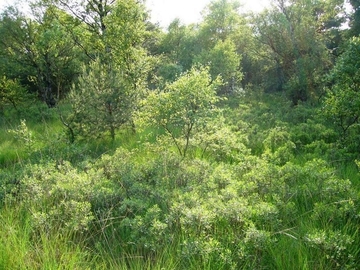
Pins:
x: 271, y: 190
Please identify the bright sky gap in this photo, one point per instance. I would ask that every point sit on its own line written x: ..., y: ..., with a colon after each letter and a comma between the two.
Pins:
x: 189, y: 11
x: 165, y: 11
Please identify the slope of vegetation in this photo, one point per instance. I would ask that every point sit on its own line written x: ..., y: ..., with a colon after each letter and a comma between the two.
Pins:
x: 216, y: 146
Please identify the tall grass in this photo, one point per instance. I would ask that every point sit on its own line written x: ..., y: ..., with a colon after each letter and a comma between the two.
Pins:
x: 297, y: 241
x: 23, y: 248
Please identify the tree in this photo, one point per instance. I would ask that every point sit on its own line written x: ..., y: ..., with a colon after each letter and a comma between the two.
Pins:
x: 218, y: 42
x: 342, y: 102
x: 18, y: 61
x: 39, y: 52
x: 108, y: 26
x: 111, y: 31
x: 355, y: 18
x: 222, y: 38
x: 102, y: 101
x: 90, y: 16
x: 113, y: 78
x: 177, y: 49
x: 183, y: 106
x: 126, y: 32
x: 12, y: 92
x: 221, y: 21
x: 294, y: 35
x: 60, y: 60
x: 223, y: 60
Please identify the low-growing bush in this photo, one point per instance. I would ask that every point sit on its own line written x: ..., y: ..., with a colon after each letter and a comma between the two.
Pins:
x: 58, y: 196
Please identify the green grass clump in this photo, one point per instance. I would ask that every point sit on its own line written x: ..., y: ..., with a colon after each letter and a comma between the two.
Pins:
x: 21, y: 247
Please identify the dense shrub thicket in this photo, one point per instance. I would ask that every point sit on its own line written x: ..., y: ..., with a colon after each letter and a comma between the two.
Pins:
x: 249, y: 195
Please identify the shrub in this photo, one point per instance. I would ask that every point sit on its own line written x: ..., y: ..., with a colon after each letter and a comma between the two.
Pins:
x: 333, y: 246
x: 58, y: 196
x: 279, y: 149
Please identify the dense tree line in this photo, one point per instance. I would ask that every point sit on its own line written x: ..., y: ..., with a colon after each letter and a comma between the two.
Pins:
x: 103, y: 56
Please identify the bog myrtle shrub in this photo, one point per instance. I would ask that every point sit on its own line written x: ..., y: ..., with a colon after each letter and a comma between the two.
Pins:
x: 58, y: 196
x: 334, y: 246
x: 221, y: 142
x: 148, y: 230
x: 278, y: 146
x: 220, y: 211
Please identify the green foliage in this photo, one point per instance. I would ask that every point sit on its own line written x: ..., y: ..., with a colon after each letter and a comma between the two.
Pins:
x: 182, y: 44
x: 40, y: 52
x: 222, y: 36
x: 333, y: 246
x: 291, y: 46
x: 227, y: 209
x: 183, y: 106
x: 168, y: 72
x: 279, y: 149
x: 123, y: 40
x: 342, y: 102
x: 58, y: 197
x: 257, y: 183
x: 23, y: 135
x: 223, y: 60
x: 102, y: 101
x: 221, y: 142
x: 217, y: 42
x: 221, y: 22
x: 11, y: 92
x: 354, y: 18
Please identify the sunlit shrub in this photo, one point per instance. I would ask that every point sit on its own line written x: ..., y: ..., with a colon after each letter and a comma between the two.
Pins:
x: 334, y: 246
x: 58, y: 196
x: 303, y: 183
x: 314, y: 187
x: 23, y: 135
x: 256, y: 240
x: 263, y: 174
x: 337, y: 203
x: 221, y: 142
x: 208, y: 251
x: 279, y: 148
x: 148, y: 230
x: 310, y: 131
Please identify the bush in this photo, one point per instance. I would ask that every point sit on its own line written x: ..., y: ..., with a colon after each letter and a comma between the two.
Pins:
x: 279, y: 149
x: 58, y: 196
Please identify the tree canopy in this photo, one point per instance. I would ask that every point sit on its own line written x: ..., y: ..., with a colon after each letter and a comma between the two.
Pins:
x: 289, y: 47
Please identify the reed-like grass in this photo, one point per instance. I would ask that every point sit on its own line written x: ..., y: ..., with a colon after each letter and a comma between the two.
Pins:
x: 105, y: 245
x: 22, y: 247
